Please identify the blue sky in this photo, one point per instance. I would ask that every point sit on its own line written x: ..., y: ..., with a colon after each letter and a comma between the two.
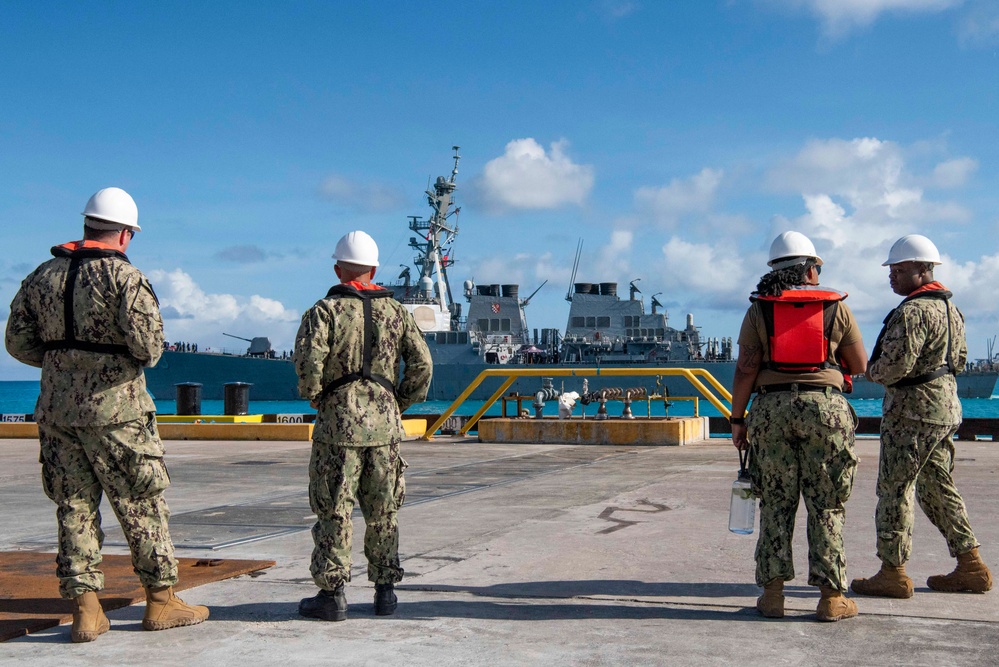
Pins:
x: 675, y: 137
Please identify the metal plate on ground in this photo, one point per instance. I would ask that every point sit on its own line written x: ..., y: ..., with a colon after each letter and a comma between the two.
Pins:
x: 29, y: 594
x: 213, y: 536
x: 208, y: 535
x: 247, y: 515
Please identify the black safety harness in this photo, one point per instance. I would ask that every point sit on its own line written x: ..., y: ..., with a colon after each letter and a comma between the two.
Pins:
x: 944, y: 369
x: 366, y: 297
x: 69, y: 340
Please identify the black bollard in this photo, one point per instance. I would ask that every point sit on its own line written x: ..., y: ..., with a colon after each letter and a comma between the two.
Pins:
x: 237, y: 398
x: 188, y: 398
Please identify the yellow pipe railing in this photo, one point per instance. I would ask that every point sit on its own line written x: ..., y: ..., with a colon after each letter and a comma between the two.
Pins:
x: 512, y: 374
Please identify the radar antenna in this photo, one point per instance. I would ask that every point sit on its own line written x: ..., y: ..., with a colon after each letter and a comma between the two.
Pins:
x: 405, y: 275
x: 634, y: 288
x: 656, y: 303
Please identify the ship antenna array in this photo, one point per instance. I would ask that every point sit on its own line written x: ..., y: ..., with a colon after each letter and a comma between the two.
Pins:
x: 434, y: 252
x: 454, y: 172
x: 575, y: 266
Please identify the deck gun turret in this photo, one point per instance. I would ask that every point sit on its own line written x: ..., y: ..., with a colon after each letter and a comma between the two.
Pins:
x: 260, y: 346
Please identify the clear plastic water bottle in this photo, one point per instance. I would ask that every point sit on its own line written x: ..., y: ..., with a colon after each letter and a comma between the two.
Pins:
x: 742, y: 511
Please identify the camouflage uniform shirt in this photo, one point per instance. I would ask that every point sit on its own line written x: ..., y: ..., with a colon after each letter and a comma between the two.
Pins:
x: 330, y: 344
x: 915, y: 341
x: 112, y: 304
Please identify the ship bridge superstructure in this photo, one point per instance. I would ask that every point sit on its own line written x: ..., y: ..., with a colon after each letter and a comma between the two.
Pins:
x: 497, y: 325
x: 603, y: 328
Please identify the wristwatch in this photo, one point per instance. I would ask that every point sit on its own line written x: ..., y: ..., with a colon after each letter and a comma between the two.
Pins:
x: 737, y: 421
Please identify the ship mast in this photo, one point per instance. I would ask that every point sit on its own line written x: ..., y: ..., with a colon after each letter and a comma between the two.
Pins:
x: 436, y: 235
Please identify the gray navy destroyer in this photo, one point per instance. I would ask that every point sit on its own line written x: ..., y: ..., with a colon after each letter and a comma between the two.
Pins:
x: 602, y: 331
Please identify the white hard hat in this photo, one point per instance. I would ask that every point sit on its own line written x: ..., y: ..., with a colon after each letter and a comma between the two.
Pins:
x: 357, y: 248
x: 791, y: 246
x: 913, y: 248
x: 112, y: 206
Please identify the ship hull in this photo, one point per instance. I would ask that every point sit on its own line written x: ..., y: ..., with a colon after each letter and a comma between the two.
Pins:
x: 454, y: 371
x: 272, y: 379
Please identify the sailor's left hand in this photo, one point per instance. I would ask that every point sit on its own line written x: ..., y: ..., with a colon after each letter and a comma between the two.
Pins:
x: 739, y: 437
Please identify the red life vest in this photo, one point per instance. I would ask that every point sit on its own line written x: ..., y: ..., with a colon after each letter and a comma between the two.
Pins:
x: 799, y: 324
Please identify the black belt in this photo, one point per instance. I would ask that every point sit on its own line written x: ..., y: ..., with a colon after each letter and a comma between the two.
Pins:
x: 794, y: 386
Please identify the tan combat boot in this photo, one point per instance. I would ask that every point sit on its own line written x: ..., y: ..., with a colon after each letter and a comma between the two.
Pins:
x: 89, y: 621
x: 834, y: 606
x: 164, y: 610
x: 970, y: 576
x: 771, y: 603
x: 889, y: 582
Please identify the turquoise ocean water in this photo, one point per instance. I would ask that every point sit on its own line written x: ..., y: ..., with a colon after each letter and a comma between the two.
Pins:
x: 18, y: 397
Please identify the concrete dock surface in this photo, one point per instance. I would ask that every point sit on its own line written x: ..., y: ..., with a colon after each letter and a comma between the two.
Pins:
x: 519, y: 554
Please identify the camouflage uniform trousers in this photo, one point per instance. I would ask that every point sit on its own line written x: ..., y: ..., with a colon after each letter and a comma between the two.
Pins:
x: 917, y: 459
x: 125, y: 461
x: 802, y: 445
x: 373, y: 477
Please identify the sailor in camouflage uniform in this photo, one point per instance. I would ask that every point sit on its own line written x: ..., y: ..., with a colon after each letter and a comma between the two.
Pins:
x: 347, y: 356
x: 919, y: 351
x: 91, y: 321
x: 798, y: 345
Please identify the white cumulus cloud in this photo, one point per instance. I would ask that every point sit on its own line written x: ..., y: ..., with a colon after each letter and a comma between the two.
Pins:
x: 618, y: 250
x: 839, y: 17
x: 193, y: 315
x: 717, y: 272
x: 870, y: 177
x: 668, y: 204
x: 528, y: 177
x: 969, y: 280
x: 861, y: 195
x: 953, y: 173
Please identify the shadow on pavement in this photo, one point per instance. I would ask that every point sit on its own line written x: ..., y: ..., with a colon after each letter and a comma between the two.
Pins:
x: 614, y: 587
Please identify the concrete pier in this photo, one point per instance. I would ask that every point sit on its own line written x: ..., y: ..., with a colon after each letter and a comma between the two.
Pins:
x: 518, y: 554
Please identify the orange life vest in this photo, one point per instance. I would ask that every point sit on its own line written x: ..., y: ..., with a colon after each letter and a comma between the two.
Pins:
x: 799, y: 324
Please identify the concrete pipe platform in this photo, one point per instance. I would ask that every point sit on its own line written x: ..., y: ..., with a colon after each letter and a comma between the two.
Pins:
x: 639, y: 431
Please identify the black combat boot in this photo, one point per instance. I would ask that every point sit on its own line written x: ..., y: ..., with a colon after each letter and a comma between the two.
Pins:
x: 327, y: 605
x: 385, y: 600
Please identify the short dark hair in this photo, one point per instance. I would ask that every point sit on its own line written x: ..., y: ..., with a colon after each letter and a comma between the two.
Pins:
x: 91, y: 234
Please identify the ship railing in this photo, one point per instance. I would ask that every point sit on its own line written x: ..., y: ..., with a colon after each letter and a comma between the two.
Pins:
x: 717, y: 398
